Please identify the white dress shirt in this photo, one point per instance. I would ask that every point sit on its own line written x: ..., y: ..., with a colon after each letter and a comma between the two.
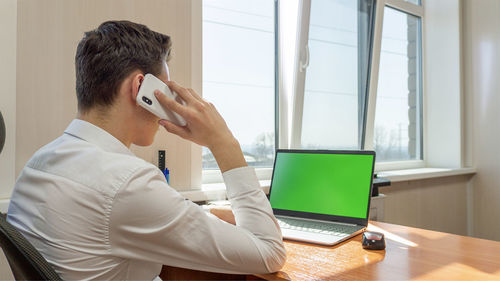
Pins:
x: 95, y: 211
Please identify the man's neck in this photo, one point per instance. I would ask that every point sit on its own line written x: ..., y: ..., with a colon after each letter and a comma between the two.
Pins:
x: 109, y: 121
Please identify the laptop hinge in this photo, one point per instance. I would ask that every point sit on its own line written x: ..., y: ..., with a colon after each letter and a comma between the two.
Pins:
x: 321, y: 221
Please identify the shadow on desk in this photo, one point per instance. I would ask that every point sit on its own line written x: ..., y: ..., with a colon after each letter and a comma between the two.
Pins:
x: 176, y: 273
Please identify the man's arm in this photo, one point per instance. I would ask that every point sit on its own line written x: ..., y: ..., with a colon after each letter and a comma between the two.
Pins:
x: 150, y: 221
x: 151, y: 218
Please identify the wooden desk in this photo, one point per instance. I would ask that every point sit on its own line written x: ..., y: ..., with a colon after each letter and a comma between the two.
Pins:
x: 411, y: 253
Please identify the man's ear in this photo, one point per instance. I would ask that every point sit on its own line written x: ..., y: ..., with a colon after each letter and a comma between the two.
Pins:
x: 137, y: 80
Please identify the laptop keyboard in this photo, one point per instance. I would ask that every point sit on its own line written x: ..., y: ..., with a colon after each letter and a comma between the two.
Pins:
x: 339, y: 230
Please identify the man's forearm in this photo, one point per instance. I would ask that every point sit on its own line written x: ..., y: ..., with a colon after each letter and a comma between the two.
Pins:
x: 228, y: 155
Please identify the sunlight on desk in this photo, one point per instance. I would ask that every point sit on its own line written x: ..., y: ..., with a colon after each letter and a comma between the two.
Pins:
x: 411, y: 254
x: 456, y: 271
x: 392, y: 236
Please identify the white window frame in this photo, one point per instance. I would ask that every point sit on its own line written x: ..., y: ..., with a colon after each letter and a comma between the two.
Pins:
x: 301, y: 63
x: 414, y: 10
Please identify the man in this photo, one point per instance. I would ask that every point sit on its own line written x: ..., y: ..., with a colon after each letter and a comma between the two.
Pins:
x: 95, y: 211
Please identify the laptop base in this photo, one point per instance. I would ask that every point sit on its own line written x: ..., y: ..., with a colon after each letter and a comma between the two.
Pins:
x: 317, y: 238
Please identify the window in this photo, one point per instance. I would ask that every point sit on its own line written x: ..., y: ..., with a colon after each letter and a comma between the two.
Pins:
x: 398, y: 119
x: 332, y: 101
x: 331, y: 95
x: 332, y: 74
x: 333, y: 109
x: 239, y: 74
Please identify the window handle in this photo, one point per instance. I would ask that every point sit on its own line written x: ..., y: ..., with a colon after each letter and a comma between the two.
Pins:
x: 305, y: 64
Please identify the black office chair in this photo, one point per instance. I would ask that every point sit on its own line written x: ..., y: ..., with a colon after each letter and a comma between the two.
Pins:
x: 25, y: 261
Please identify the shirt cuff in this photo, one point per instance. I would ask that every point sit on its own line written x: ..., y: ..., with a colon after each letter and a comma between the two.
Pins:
x: 240, y: 180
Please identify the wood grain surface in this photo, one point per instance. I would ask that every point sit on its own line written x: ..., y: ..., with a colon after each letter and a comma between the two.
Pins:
x: 410, y: 254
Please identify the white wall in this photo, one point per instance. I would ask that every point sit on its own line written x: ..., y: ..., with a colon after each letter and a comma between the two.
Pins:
x: 8, y: 31
x: 47, y: 35
x: 481, y: 26
x: 442, y: 87
x: 438, y: 204
x: 5, y: 272
x: 462, y: 205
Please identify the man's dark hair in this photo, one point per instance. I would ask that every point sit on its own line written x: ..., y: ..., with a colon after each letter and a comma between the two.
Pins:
x: 108, y: 54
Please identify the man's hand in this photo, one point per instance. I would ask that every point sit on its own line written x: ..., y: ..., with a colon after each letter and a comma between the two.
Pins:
x: 205, y: 126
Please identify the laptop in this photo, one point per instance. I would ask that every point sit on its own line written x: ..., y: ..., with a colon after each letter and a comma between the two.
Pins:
x: 322, y: 196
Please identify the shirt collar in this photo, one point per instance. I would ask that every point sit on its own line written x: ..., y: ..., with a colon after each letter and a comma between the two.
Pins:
x: 95, y: 135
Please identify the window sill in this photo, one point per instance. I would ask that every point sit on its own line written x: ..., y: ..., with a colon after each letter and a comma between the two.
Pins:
x: 217, y: 191
x: 424, y: 173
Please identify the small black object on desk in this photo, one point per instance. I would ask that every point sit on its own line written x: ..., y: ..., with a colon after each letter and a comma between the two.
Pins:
x: 379, y: 182
x: 373, y: 240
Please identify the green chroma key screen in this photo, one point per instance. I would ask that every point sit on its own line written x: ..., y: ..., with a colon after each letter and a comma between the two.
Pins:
x: 323, y: 183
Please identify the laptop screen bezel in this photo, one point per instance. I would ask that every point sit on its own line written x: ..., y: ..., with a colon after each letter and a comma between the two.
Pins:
x: 324, y: 217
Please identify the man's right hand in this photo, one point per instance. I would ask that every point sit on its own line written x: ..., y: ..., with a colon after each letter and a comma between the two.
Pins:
x: 205, y: 126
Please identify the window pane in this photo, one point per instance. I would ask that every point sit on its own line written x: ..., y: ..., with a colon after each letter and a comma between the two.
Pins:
x: 398, y: 109
x: 238, y: 73
x: 335, y: 83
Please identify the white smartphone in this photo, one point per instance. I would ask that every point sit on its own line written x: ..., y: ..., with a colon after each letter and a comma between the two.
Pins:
x: 147, y: 99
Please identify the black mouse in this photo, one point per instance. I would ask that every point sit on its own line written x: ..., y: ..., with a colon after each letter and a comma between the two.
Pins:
x: 373, y: 240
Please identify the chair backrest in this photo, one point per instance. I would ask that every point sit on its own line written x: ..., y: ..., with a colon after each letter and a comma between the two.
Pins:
x: 25, y: 261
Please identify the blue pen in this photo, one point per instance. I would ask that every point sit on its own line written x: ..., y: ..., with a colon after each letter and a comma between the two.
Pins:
x: 166, y: 173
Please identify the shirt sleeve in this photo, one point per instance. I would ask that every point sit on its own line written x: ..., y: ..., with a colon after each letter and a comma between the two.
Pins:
x: 152, y: 222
